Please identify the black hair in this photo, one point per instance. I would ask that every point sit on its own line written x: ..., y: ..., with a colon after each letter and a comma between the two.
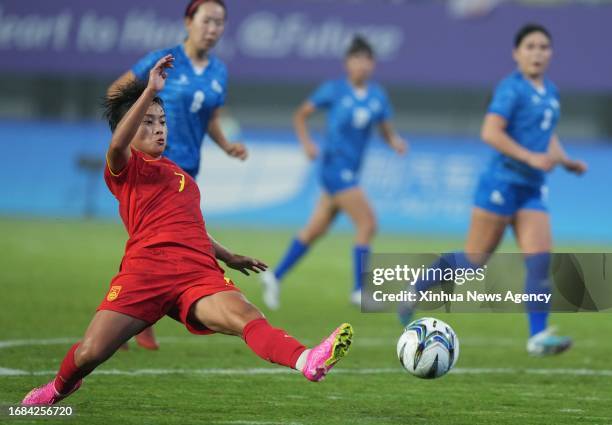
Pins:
x: 359, y: 45
x: 122, y: 99
x: 193, y: 6
x: 528, y: 29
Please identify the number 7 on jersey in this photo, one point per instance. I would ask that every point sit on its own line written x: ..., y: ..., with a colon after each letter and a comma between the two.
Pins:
x: 182, y: 184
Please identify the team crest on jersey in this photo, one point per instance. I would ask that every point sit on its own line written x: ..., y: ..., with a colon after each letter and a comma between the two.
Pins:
x: 113, y: 293
x: 216, y: 86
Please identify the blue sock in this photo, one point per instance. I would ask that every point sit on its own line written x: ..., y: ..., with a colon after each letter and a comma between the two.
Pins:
x: 295, y: 251
x: 537, y: 283
x: 452, y: 260
x: 361, y: 255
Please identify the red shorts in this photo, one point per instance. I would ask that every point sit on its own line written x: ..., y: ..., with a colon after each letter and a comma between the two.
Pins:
x: 165, y: 281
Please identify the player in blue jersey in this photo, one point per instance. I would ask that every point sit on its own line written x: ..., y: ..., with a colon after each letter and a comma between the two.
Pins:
x: 520, y: 125
x: 196, y: 87
x: 195, y: 91
x: 354, y: 106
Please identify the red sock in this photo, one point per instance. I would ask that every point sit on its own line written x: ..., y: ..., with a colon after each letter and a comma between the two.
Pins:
x: 272, y: 344
x: 69, y: 374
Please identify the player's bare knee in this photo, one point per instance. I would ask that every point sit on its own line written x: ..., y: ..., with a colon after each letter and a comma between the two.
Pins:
x: 311, y: 234
x: 366, y: 230
x: 373, y: 228
x: 537, y: 248
x: 241, y: 316
x: 317, y: 233
x: 248, y: 312
x: 232, y: 316
x: 304, y: 236
x: 90, y: 354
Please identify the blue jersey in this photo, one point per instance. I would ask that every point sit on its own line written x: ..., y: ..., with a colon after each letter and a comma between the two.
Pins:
x: 350, y: 118
x: 190, y: 98
x: 532, y: 115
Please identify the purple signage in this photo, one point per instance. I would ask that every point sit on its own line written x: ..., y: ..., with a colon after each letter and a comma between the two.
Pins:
x: 295, y: 40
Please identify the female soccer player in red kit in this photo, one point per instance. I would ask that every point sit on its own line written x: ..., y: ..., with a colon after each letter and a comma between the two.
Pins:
x: 169, y: 266
x: 193, y: 96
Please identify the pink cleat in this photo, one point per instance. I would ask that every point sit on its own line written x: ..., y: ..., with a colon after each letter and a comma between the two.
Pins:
x: 324, y: 356
x: 47, y: 394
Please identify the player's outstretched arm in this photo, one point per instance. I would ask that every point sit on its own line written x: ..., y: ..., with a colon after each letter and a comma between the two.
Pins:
x: 392, y: 138
x: 235, y: 150
x: 300, y: 125
x: 555, y: 148
x: 236, y: 261
x: 118, y: 153
x: 494, y: 133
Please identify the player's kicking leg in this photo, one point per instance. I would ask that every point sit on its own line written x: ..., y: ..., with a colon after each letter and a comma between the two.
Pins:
x: 107, y: 331
x: 231, y: 313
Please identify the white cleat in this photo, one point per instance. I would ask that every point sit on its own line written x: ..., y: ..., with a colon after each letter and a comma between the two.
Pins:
x: 546, y: 343
x: 356, y: 298
x: 271, y: 290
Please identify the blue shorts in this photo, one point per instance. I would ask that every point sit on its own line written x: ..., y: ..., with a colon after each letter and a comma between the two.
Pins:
x: 506, y: 198
x: 335, y: 179
x: 337, y: 174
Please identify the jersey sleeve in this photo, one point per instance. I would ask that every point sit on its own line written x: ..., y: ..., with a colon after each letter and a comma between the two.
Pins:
x: 324, y: 95
x: 505, y: 99
x: 117, y: 181
x: 143, y: 66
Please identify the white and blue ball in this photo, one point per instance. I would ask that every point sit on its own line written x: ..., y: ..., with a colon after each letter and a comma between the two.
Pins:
x: 428, y: 348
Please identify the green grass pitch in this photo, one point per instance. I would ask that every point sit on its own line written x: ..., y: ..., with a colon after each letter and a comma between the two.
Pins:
x: 53, y: 274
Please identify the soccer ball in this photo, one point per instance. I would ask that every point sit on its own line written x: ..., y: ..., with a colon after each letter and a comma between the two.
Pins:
x: 428, y: 348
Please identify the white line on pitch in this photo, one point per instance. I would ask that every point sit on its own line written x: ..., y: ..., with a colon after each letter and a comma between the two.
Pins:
x: 347, y: 371
x: 361, y: 341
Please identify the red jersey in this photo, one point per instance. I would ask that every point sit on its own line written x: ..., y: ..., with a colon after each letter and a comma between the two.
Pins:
x: 159, y: 204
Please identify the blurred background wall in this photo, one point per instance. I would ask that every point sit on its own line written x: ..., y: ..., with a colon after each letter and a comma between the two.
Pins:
x: 439, y: 61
